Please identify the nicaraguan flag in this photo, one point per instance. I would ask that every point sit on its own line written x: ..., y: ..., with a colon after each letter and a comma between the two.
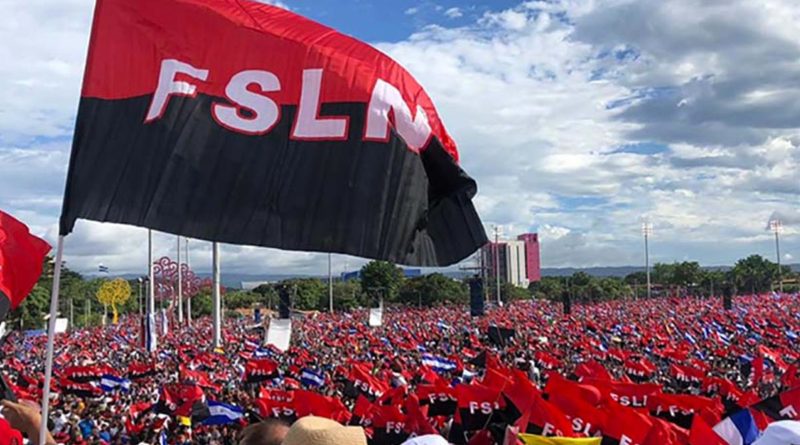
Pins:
x: 438, y: 364
x: 222, y: 413
x: 102, y: 269
x: 111, y: 383
x: 310, y: 378
x: 262, y: 353
x: 738, y: 429
x: 690, y: 338
x: 162, y: 438
x: 791, y: 335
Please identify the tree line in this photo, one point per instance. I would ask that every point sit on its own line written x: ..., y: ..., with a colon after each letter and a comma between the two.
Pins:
x: 383, y: 281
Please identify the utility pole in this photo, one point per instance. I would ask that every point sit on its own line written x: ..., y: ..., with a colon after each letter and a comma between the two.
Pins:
x: 776, y: 227
x: 330, y: 284
x: 216, y: 298
x: 188, y: 300
x: 497, y: 230
x: 647, y: 230
x: 180, y: 285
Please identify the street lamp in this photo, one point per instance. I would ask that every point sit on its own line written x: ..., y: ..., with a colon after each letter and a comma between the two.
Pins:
x: 647, y: 231
x: 497, y: 230
x: 776, y: 227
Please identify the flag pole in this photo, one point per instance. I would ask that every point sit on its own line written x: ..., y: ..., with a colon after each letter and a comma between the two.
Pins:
x: 330, y: 284
x: 51, y: 334
x: 215, y: 296
x: 180, y: 285
x: 188, y: 300
x: 152, y: 332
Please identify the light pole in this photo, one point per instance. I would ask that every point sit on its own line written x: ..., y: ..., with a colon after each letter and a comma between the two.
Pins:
x: 497, y: 230
x: 647, y: 230
x: 330, y: 284
x: 776, y: 227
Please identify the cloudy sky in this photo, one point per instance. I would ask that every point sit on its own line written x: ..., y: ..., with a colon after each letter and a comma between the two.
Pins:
x: 578, y: 118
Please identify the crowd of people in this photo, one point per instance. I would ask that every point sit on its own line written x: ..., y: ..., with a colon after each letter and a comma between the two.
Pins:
x: 660, y: 371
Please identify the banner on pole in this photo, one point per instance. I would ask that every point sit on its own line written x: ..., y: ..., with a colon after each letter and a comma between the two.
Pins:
x: 376, y: 316
x: 279, y: 333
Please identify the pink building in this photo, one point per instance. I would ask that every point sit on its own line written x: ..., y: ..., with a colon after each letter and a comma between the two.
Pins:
x: 532, y: 261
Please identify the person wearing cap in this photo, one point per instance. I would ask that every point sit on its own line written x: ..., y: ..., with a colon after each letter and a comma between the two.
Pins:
x: 314, y: 430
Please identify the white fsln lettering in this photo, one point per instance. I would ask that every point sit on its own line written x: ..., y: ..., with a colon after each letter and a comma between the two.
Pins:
x: 625, y: 440
x: 308, y: 124
x: 788, y: 412
x: 167, y: 86
x: 265, y: 111
x: 548, y: 429
x: 386, y: 100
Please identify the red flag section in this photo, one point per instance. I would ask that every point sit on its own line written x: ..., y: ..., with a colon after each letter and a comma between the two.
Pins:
x: 21, y: 259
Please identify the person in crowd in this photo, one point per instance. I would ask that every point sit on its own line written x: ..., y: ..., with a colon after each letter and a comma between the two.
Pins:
x: 266, y: 432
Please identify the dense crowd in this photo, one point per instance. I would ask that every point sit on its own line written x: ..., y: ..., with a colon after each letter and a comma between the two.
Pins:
x: 676, y: 366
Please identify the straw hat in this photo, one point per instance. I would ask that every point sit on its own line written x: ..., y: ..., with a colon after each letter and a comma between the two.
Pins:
x: 313, y: 430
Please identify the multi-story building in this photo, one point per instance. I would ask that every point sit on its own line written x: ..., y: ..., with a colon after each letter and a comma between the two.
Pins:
x: 518, y: 260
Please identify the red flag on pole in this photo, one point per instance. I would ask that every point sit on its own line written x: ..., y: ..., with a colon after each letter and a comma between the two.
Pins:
x: 21, y: 258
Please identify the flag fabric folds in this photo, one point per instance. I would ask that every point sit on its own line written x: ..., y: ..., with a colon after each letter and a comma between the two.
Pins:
x: 21, y: 259
x: 271, y: 136
x: 738, y: 429
x: 222, y: 413
x: 312, y: 378
x: 439, y: 364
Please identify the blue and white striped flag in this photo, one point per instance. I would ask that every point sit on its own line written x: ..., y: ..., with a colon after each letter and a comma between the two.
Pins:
x: 222, y: 413
x: 438, y: 364
x: 311, y: 378
x: 150, y: 342
x: 262, y: 353
x: 102, y: 269
x: 112, y: 383
x: 690, y: 338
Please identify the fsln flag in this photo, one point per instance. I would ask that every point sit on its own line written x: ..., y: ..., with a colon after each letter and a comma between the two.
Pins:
x: 278, y: 132
x: 112, y: 383
x: 312, y: 378
x: 21, y: 259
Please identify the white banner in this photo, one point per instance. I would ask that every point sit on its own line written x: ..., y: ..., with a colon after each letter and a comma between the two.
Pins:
x: 61, y: 325
x: 279, y: 333
x: 376, y: 316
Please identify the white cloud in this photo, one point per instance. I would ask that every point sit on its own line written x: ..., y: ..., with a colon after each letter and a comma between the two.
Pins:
x: 454, y: 13
x: 411, y: 11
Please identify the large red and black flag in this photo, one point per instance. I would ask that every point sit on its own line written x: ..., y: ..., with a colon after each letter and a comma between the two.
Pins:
x: 241, y: 122
x: 21, y: 260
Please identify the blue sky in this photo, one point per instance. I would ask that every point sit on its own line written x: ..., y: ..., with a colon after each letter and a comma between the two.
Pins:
x: 579, y: 119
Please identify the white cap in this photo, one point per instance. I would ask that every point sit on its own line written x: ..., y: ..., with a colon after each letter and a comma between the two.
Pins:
x: 784, y: 432
x: 429, y: 439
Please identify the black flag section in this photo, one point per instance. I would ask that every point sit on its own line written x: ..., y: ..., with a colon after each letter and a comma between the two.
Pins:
x: 476, y: 303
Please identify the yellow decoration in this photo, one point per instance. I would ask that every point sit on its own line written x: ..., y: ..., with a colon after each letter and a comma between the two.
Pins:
x: 113, y: 293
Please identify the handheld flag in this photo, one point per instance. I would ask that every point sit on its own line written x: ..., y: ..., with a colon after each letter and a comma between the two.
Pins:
x: 222, y: 413
x: 262, y: 136
x: 311, y: 378
x: 21, y: 259
x: 111, y: 383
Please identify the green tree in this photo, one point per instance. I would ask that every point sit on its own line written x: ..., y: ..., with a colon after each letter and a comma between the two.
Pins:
x: 432, y: 290
x: 514, y: 293
x: 549, y: 288
x: 241, y: 299
x: 201, y: 304
x: 269, y: 295
x: 307, y: 293
x: 381, y: 279
x: 754, y: 274
x: 346, y: 295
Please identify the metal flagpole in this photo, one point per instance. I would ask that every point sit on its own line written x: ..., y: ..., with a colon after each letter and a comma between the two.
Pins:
x: 180, y: 285
x: 51, y: 334
x: 330, y: 284
x: 152, y: 345
x: 647, y: 230
x: 776, y: 228
x: 497, y: 261
x: 215, y: 297
x: 188, y: 300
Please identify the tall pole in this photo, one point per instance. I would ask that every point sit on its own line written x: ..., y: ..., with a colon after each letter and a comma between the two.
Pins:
x: 497, y: 261
x: 188, y: 300
x: 330, y: 283
x: 215, y: 297
x: 776, y: 228
x: 71, y: 315
x: 139, y: 300
x: 151, y: 297
x: 647, y: 230
x: 51, y: 334
x: 180, y: 284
